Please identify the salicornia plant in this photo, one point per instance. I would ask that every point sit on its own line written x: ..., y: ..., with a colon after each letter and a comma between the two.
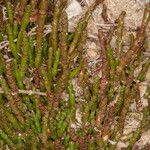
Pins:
x: 38, y: 102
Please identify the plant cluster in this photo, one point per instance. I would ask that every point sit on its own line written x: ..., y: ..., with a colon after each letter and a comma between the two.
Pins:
x: 37, y: 70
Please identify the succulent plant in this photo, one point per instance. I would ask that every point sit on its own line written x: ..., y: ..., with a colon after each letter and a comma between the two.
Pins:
x: 36, y: 70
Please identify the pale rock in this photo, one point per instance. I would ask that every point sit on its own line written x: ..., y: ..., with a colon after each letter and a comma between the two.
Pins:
x: 74, y: 9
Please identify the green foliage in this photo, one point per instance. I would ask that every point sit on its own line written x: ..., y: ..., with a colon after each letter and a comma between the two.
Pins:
x: 39, y: 86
